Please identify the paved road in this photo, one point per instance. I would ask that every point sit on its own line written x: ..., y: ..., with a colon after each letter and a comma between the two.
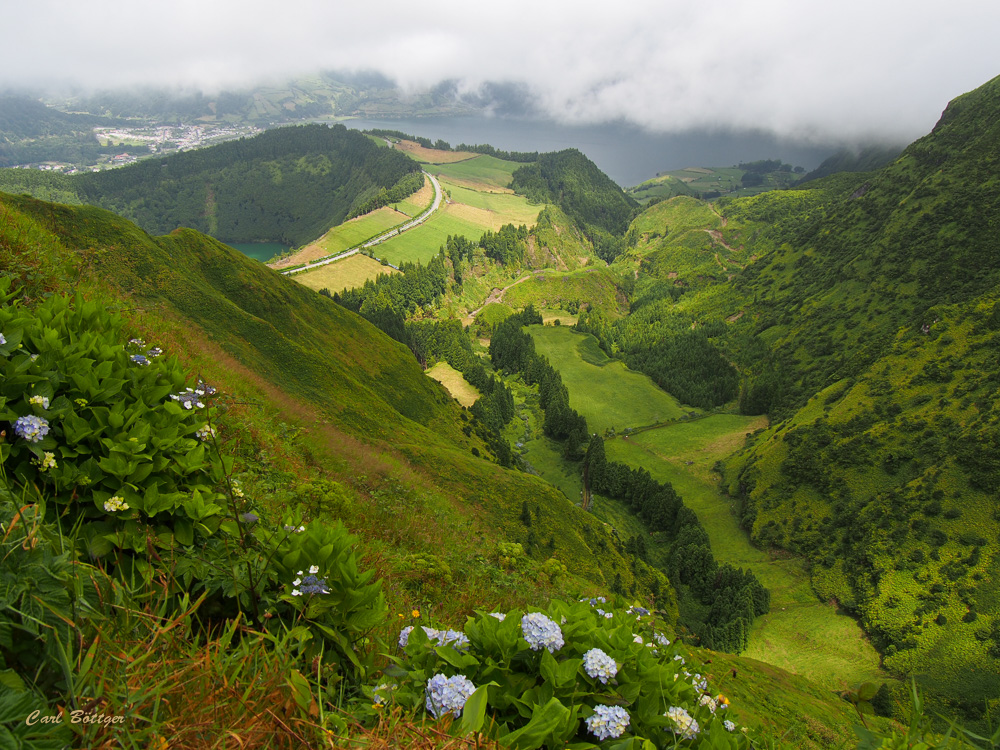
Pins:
x: 384, y: 236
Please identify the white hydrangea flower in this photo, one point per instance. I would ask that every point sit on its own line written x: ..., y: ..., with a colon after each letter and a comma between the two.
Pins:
x: 687, y: 727
x: 599, y: 665
x: 541, y: 632
x: 608, y: 722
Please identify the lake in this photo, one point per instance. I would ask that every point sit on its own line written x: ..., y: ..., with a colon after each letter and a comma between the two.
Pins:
x: 262, y: 251
x: 627, y: 154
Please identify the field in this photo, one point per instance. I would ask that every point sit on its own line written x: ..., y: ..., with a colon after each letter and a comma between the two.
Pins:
x: 347, y: 235
x: 469, y: 213
x: 595, y: 286
x: 801, y: 633
x: 481, y: 173
x: 604, y: 391
x: 455, y: 384
x: 432, y: 155
x: 343, y: 274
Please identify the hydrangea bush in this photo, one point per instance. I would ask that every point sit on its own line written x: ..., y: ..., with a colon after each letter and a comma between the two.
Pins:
x: 122, y: 448
x: 569, y: 675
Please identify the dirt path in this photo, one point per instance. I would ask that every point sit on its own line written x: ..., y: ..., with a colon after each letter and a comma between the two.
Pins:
x: 496, y: 296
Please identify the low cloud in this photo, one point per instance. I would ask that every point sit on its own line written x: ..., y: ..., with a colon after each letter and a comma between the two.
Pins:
x: 850, y: 70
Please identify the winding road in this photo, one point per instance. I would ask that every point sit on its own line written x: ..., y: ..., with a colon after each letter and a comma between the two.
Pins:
x: 435, y: 204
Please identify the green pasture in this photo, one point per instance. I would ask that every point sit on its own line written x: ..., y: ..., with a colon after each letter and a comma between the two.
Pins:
x: 422, y: 243
x: 356, y: 231
x: 484, y: 170
x: 604, y: 391
x: 507, y: 207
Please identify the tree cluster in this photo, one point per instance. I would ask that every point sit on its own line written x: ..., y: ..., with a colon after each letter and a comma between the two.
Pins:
x: 733, y: 596
x: 512, y: 350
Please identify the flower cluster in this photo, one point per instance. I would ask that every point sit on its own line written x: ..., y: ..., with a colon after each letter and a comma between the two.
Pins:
x: 661, y: 639
x: 598, y: 664
x: 48, y: 461
x: 310, y: 584
x: 189, y: 398
x: 443, y: 637
x: 42, y: 401
x: 2, y: 340
x: 541, y: 632
x: 154, y: 352
x: 499, y: 615
x: 730, y: 727
x: 608, y: 722
x: 448, y: 694
x: 205, y: 433
x: 115, y: 504
x: 139, y: 359
x: 31, y: 428
x: 137, y: 342
x: 687, y: 727
x: 382, y: 693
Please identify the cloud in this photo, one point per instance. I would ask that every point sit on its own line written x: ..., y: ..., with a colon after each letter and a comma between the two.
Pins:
x: 850, y: 69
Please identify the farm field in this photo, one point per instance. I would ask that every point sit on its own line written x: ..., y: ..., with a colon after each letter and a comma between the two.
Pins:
x: 343, y: 274
x: 432, y: 155
x: 604, y: 391
x: 456, y: 385
x: 482, y: 172
x: 470, y: 213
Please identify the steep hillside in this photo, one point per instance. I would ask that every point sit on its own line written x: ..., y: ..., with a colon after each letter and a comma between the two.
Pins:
x: 878, y: 303
x: 331, y: 363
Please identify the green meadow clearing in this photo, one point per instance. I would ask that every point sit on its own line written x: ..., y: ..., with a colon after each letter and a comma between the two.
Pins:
x: 603, y: 390
x: 800, y: 633
x: 454, y: 383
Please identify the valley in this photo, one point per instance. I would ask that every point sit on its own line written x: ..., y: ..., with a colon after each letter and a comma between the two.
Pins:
x: 752, y: 433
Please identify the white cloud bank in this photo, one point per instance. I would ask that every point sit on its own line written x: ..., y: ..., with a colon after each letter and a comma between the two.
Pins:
x: 833, y: 70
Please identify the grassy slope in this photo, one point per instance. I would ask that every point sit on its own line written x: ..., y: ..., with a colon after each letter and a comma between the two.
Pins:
x: 355, y: 380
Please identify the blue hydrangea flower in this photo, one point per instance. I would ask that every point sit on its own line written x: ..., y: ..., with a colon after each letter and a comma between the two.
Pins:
x: 448, y: 695
x: 154, y: 352
x: 139, y: 359
x: 541, y: 632
x: 456, y: 638
x: 189, y: 398
x: 661, y: 639
x: 685, y: 724
x: 608, y: 722
x: 31, y: 428
x: 309, y: 584
x: 730, y: 727
x: 499, y: 615
x: 598, y: 664
x: 2, y: 340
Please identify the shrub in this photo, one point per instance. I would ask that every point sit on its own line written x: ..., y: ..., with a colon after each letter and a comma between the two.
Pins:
x: 571, y: 674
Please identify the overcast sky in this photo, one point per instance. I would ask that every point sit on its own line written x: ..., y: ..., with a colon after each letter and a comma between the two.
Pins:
x: 836, y: 69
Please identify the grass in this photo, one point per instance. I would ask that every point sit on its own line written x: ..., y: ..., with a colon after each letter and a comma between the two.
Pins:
x: 432, y: 155
x: 597, y: 287
x: 480, y: 213
x: 481, y: 173
x: 343, y: 274
x: 604, y: 391
x: 454, y: 383
x: 800, y: 634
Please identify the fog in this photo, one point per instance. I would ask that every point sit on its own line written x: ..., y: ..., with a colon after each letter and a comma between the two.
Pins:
x: 851, y: 70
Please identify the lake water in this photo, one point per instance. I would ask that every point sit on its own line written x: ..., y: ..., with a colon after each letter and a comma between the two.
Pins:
x: 262, y: 251
x: 627, y: 154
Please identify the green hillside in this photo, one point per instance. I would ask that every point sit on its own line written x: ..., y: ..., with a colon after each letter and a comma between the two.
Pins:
x: 860, y: 313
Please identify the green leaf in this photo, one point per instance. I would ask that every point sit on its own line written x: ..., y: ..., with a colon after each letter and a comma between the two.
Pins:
x: 184, y: 532
x: 474, y: 713
x: 544, y: 724
x: 867, y: 691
